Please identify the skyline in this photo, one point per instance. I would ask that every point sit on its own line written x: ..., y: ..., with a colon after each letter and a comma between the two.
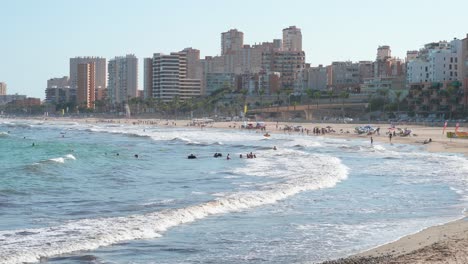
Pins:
x: 51, y: 32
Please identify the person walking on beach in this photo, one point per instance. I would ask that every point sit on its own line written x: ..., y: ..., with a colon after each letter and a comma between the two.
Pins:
x: 371, y: 141
x: 390, y: 137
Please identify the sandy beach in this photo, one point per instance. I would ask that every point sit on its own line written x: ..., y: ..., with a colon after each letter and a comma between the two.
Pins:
x: 439, y: 141
x: 446, y: 243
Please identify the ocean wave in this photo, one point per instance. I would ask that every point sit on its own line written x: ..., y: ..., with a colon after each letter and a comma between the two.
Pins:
x: 181, y: 139
x: 135, y: 135
x: 87, y: 234
x: 61, y: 159
x: 20, y: 125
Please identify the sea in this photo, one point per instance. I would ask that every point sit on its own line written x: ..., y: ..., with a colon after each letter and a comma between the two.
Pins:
x: 76, y: 193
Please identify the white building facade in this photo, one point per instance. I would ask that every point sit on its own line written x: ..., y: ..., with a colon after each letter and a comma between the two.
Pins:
x: 436, y: 62
x: 170, y: 78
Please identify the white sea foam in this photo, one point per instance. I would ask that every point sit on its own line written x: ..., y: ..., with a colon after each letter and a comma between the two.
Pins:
x: 303, y: 172
x: 379, y: 147
x: 306, y: 142
x: 70, y: 156
x: 58, y: 160
x: 62, y: 159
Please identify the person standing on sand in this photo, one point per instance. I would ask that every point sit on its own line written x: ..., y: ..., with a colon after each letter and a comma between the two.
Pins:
x: 390, y: 137
x: 371, y: 141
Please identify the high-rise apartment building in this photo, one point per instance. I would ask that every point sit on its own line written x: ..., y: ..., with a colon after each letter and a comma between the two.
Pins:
x: 3, y: 88
x: 100, y: 71
x: 85, y: 93
x: 289, y: 64
x: 170, y: 77
x: 316, y: 78
x: 193, y: 60
x: 292, y: 39
x: 123, y: 78
x: 148, y: 77
x: 344, y: 75
x: 232, y: 40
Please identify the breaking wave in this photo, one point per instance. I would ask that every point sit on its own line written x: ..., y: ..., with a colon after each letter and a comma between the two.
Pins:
x: 305, y: 172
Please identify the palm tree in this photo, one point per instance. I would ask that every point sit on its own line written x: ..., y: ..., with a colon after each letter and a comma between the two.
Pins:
x: 317, y: 96
x: 384, y: 93
x: 343, y: 96
x: 175, y: 103
x: 398, y: 96
x: 310, y: 94
x: 261, y: 92
x: 331, y: 94
x: 288, y: 94
x: 452, y: 90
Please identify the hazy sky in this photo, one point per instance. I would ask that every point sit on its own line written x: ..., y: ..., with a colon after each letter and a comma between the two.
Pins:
x: 37, y: 37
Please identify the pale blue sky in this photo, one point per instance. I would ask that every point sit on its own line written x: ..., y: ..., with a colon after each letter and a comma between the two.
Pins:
x: 37, y: 37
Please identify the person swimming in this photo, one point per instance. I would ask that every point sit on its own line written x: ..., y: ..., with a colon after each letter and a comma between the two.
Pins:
x: 274, y: 148
x: 191, y: 156
x: 228, y: 157
x: 136, y: 156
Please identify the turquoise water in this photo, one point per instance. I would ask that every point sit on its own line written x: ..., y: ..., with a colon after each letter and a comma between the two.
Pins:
x: 71, y: 199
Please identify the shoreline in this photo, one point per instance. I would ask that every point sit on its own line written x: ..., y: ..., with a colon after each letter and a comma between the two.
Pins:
x: 443, y: 243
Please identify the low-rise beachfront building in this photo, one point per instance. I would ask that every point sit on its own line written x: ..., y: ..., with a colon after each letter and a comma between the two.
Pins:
x: 5, y: 99
x: 444, y: 99
x: 58, y: 91
x: 391, y: 84
x: 26, y: 102
x: 436, y: 62
x: 60, y: 95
